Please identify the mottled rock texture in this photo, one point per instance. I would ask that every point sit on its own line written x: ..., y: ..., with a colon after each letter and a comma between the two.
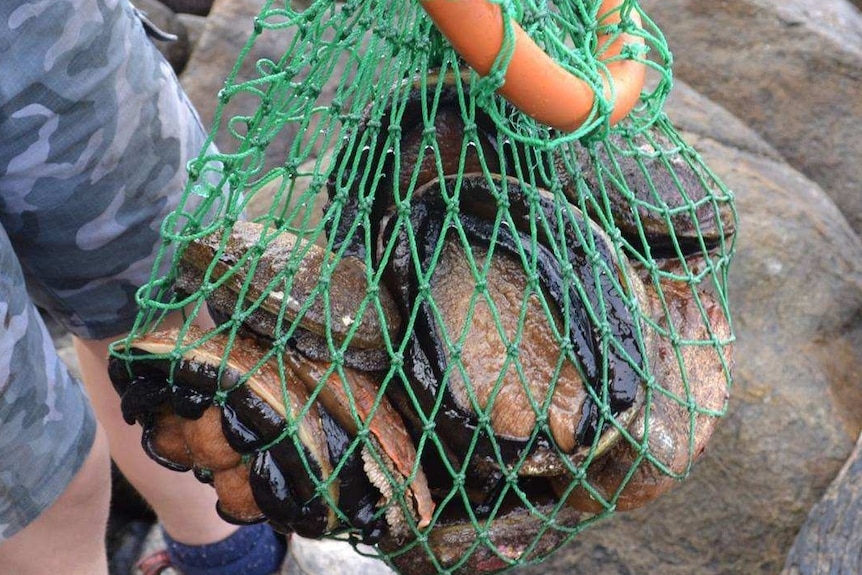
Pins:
x: 228, y: 29
x: 175, y: 52
x: 791, y: 69
x: 830, y: 540
x: 198, y: 7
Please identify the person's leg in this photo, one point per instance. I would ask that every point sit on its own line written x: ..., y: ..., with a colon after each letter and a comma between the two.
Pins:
x: 95, y: 135
x: 68, y: 537
x: 54, y: 469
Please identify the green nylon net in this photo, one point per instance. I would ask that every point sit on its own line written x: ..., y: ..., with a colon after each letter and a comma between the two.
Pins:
x: 442, y: 328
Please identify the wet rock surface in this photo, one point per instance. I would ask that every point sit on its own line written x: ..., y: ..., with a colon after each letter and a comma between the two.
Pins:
x: 795, y: 284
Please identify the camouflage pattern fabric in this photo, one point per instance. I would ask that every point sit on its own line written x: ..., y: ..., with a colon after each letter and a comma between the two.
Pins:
x: 46, y: 426
x: 95, y: 133
x: 93, y: 148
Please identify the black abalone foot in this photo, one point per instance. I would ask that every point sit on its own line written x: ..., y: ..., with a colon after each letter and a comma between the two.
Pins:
x: 272, y: 493
x: 238, y: 435
x: 147, y: 442
x: 457, y: 426
x: 148, y: 386
x: 189, y: 403
x: 588, y: 426
x: 623, y: 379
x: 118, y: 373
x: 237, y: 521
x: 280, y: 484
x: 276, y: 496
x: 142, y: 396
x: 455, y: 154
x: 373, y: 532
x: 426, y: 357
x: 357, y: 497
x: 249, y: 423
x: 203, y: 475
x: 663, y: 247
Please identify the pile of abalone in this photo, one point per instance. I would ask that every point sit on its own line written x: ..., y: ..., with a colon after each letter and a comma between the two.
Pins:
x: 473, y: 367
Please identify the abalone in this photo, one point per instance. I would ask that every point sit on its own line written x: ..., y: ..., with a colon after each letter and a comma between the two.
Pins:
x: 281, y: 279
x: 475, y: 364
x: 659, y: 194
x: 403, y: 150
x: 689, y: 393
x: 278, y: 437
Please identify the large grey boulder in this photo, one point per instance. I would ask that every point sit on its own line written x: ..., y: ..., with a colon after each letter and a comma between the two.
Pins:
x: 830, y: 540
x: 792, y: 69
x: 229, y: 26
x: 197, y: 7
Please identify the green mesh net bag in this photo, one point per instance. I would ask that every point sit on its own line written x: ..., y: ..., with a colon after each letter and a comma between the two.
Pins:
x: 464, y: 327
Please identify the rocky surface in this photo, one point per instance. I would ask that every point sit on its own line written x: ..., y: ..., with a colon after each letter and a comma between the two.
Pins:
x: 830, y: 540
x: 228, y: 28
x: 177, y: 51
x: 795, y: 285
x: 791, y: 69
x: 196, y: 7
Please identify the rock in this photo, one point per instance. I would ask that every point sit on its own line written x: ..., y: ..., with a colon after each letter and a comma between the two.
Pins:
x: 830, y: 540
x: 333, y: 557
x: 792, y: 69
x: 796, y: 293
x: 706, y: 118
x: 194, y: 25
x: 198, y: 7
x: 175, y: 52
x: 228, y: 28
x: 796, y: 298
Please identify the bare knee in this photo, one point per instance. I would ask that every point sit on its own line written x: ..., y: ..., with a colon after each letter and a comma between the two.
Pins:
x: 89, y: 492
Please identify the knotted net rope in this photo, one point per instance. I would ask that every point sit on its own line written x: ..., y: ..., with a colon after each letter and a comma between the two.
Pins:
x: 549, y: 324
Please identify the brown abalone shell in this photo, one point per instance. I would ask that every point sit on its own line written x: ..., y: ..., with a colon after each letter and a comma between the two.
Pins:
x: 285, y: 276
x: 690, y: 393
x: 407, y: 148
x: 659, y: 193
x: 472, y: 364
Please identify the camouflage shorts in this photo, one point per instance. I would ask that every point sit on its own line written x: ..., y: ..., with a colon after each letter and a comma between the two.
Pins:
x: 93, y: 148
